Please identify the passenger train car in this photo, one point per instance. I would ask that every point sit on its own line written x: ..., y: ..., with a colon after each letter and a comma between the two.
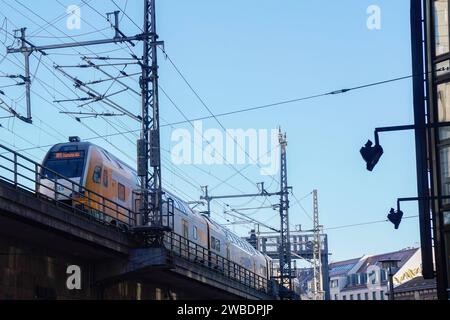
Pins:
x: 95, y: 169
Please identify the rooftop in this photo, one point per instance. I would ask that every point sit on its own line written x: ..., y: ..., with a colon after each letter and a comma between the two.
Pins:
x: 416, y: 284
x: 342, y: 267
x: 402, y: 255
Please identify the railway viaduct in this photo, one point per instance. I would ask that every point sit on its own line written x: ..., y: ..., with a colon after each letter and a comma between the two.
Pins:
x: 40, y: 239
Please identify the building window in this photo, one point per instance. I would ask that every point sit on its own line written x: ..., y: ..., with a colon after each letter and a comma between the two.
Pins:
x: 351, y: 297
x: 372, y: 277
x: 334, y: 283
x: 344, y: 297
x: 121, y: 192
x: 447, y: 218
x: 336, y: 297
x: 442, y: 68
x: 359, y: 296
x: 441, y: 26
x: 366, y: 296
x: 445, y: 171
x: 363, y: 277
x: 383, y: 275
x: 381, y: 295
x: 353, y: 279
x: 374, y: 295
x: 443, y: 97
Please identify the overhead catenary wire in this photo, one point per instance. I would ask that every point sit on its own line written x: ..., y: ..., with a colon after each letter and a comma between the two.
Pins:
x: 248, y: 109
x: 51, y: 145
x: 55, y: 20
x: 346, y: 90
x: 171, y: 100
x: 335, y: 92
x: 41, y: 83
x: 170, y: 170
x: 365, y: 223
x: 203, y: 103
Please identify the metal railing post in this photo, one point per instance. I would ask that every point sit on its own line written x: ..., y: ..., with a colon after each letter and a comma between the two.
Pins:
x: 36, y: 178
x: 15, y: 169
x: 55, y: 189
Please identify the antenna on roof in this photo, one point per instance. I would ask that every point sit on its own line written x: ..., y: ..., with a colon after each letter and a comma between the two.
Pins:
x: 74, y: 139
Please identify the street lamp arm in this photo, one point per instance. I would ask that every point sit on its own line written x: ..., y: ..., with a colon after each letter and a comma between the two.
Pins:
x: 408, y: 127
x: 419, y: 199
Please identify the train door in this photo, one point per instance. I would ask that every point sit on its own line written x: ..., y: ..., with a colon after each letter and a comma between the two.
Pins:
x: 185, y: 234
x: 227, y: 264
x: 137, y: 209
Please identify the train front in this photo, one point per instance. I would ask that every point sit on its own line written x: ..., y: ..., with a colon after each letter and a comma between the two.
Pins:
x: 61, y: 175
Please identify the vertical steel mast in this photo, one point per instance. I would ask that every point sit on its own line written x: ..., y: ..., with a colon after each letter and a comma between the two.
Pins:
x: 149, y: 163
x: 317, y: 254
x: 148, y: 146
x: 285, y: 245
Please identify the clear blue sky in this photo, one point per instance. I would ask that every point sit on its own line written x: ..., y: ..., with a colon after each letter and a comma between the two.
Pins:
x: 243, y: 54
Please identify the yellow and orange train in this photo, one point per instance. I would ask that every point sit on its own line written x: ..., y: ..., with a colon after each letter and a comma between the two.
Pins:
x: 93, y: 168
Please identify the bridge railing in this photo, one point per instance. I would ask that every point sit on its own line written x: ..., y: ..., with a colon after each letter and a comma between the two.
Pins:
x: 22, y: 172
x: 196, y: 253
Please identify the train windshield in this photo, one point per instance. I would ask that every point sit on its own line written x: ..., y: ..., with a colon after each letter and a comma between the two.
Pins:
x: 67, y: 164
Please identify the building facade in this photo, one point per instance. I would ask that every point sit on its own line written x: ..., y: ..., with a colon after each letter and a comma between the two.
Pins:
x: 364, y: 278
x: 430, y: 43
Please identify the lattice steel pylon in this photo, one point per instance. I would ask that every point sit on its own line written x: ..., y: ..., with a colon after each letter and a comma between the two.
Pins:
x: 149, y: 142
x: 317, y: 289
x: 285, y: 242
x: 148, y: 146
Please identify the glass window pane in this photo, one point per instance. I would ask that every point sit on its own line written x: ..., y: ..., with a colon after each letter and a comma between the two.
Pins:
x: 445, y: 172
x: 443, y: 93
x: 441, y: 26
x: 444, y: 102
x: 447, y: 218
x: 442, y: 68
x: 71, y: 168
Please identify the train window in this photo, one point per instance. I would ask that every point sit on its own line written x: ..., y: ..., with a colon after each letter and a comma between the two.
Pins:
x: 106, y: 155
x: 263, y: 270
x: 97, y: 175
x: 105, y: 177
x: 195, y: 233
x: 68, y: 148
x: 185, y: 229
x: 175, y: 204
x: 213, y: 243
x: 67, y: 168
x: 181, y: 206
x: 218, y: 245
x: 121, y: 192
x: 120, y: 166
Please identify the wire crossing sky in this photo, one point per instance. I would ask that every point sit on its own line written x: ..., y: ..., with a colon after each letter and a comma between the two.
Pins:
x: 312, y: 67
